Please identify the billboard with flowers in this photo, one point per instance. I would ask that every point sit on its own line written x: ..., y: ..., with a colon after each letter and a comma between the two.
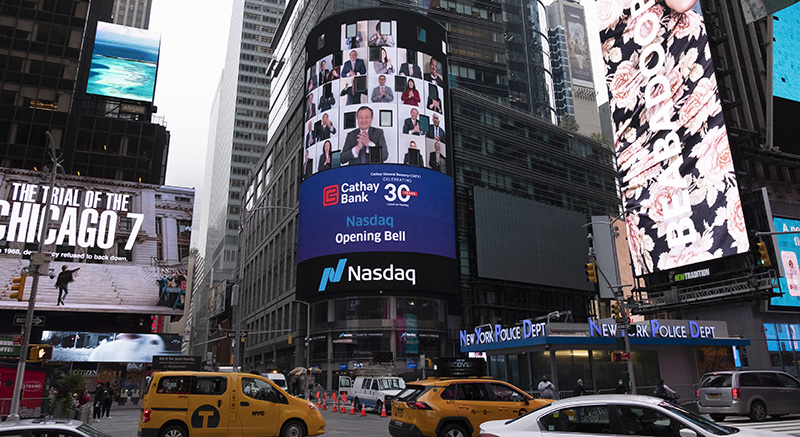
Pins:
x: 675, y: 170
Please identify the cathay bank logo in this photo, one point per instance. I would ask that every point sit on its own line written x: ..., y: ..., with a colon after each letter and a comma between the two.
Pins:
x: 331, y: 274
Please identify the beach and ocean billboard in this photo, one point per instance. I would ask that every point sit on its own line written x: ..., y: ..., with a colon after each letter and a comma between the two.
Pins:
x: 124, y: 62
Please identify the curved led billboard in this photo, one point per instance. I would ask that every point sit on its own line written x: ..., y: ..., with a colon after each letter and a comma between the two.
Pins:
x: 376, y: 201
x: 674, y: 161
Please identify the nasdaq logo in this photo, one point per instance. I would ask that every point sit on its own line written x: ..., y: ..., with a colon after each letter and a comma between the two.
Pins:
x: 332, y: 275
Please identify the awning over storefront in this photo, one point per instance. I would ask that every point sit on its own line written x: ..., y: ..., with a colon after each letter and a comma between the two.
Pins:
x: 599, y: 334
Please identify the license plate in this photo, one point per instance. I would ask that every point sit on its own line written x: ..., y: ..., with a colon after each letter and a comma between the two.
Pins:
x: 713, y: 396
x: 398, y: 412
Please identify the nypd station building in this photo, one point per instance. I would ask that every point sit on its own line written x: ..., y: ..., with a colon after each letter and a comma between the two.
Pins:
x: 677, y: 351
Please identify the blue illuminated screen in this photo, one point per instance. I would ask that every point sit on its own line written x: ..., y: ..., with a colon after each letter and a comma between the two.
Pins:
x: 787, y: 254
x: 124, y: 62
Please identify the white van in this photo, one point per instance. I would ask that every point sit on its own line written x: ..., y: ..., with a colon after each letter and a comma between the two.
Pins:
x: 278, y: 378
x: 376, y: 391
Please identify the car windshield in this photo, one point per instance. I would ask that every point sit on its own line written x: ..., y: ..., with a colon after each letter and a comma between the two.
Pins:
x: 699, y: 421
x: 716, y: 381
x: 91, y: 431
x: 391, y: 384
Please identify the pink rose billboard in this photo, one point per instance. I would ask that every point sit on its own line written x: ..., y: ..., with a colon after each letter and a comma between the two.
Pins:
x: 674, y: 161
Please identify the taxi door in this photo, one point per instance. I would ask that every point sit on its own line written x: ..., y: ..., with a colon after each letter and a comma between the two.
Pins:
x: 472, y: 401
x: 510, y: 402
x: 259, y: 407
x: 208, y: 406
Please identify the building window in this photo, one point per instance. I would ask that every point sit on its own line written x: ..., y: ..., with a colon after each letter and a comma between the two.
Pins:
x: 422, y: 35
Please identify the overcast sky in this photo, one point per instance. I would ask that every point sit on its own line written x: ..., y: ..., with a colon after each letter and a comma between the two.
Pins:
x: 194, y: 35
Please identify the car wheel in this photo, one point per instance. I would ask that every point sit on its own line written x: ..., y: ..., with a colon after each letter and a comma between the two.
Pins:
x: 758, y: 411
x: 453, y: 430
x: 523, y: 411
x: 378, y: 407
x: 174, y: 431
x: 293, y: 428
x: 717, y: 417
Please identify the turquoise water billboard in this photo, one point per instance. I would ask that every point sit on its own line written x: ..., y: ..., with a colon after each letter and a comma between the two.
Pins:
x: 124, y: 62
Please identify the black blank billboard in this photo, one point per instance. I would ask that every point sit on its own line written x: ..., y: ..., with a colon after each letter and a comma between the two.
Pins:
x: 535, y: 243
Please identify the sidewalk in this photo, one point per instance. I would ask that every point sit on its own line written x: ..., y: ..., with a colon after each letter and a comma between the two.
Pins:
x: 124, y: 422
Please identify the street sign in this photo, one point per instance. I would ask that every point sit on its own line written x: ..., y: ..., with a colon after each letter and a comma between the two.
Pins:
x: 232, y: 334
x: 19, y: 320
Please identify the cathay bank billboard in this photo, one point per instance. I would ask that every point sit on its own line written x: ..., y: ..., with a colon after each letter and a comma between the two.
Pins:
x: 387, y: 227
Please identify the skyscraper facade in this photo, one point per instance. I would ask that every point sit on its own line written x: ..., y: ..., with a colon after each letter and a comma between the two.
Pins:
x: 133, y: 13
x: 507, y: 154
x: 237, y: 138
x: 574, y: 90
x: 46, y: 55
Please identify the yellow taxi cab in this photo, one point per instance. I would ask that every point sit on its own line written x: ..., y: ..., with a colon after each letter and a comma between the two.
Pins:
x: 209, y: 404
x: 456, y: 407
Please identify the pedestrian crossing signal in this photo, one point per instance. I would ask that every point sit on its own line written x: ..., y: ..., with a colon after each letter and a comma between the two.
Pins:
x: 18, y: 287
x: 40, y: 352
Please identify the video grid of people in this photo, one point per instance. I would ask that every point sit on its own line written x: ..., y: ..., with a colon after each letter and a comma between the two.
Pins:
x: 374, y: 103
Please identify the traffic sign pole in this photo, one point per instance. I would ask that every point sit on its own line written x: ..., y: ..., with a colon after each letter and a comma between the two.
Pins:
x: 13, y: 413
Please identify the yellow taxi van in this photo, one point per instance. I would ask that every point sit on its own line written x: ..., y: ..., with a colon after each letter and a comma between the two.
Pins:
x: 211, y: 404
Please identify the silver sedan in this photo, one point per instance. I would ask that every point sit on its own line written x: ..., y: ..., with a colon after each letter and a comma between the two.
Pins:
x: 620, y: 415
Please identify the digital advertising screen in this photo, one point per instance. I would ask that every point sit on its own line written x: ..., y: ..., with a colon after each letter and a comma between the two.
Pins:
x: 97, y: 241
x: 674, y: 162
x: 376, y: 201
x: 124, y: 62
x: 110, y: 347
x: 375, y: 103
x: 580, y: 64
x: 788, y: 253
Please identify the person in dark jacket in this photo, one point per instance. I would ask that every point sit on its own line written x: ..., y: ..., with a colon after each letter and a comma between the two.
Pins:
x: 62, y: 281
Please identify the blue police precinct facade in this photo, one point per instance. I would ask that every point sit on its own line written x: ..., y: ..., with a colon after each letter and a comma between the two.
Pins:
x: 678, y: 351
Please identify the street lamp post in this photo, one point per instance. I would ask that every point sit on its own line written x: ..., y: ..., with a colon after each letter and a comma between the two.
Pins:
x: 37, y: 261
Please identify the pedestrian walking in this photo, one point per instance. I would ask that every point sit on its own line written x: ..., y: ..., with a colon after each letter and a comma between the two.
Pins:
x: 579, y: 389
x: 621, y: 389
x: 97, y: 405
x: 547, y: 389
x: 108, y: 398
x: 664, y: 392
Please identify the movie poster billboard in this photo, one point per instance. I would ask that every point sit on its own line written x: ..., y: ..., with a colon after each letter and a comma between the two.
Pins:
x: 580, y: 63
x: 124, y: 62
x: 102, y: 239
x: 110, y: 347
x: 675, y: 170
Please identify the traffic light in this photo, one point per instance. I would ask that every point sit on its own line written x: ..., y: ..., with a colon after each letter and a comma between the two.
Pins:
x: 615, y: 312
x: 40, y: 352
x: 591, y: 272
x: 18, y: 286
x: 428, y: 363
x: 763, y: 254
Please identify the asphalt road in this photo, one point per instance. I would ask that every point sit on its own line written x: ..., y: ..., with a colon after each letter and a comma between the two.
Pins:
x: 124, y: 423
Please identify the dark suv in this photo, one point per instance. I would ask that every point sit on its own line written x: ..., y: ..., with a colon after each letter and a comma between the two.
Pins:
x: 754, y: 393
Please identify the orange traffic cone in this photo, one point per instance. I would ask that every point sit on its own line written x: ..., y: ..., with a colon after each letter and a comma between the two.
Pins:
x: 383, y: 410
x: 319, y: 401
x: 343, y: 408
x: 325, y: 404
x: 363, y: 410
x: 335, y: 408
x: 352, y: 409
